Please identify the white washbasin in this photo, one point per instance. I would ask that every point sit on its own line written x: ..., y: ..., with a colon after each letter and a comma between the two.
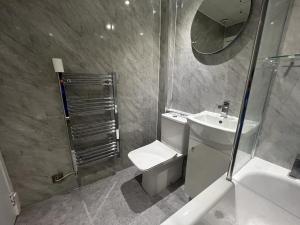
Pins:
x: 216, y: 130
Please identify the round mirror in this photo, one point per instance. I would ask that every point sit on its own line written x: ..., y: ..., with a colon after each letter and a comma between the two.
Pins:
x: 218, y: 23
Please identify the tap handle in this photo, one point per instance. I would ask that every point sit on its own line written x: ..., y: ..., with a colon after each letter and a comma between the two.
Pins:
x: 226, y: 103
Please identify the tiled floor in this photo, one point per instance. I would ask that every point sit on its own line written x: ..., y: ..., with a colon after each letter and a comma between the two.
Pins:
x: 116, y: 200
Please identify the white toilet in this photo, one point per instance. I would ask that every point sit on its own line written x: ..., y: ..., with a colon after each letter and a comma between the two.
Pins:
x: 161, y: 162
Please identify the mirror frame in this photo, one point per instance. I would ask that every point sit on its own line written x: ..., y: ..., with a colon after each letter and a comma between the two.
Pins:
x: 234, y: 40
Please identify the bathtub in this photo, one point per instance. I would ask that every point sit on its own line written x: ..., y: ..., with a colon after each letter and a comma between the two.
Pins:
x: 261, y: 193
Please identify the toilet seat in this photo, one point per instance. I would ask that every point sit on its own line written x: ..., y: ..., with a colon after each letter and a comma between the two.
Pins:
x: 152, y: 155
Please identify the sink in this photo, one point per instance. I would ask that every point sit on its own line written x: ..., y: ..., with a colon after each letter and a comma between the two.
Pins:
x: 217, y: 131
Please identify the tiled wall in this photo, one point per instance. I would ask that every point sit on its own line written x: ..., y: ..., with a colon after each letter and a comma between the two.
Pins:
x: 279, y: 141
x: 167, y: 51
x: 32, y: 130
x: 198, y: 86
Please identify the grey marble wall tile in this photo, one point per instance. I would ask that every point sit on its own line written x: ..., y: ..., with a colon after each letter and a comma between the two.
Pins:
x: 167, y: 51
x: 33, y: 135
x: 264, y: 75
x: 135, y: 44
x: 279, y: 138
x: 291, y: 42
x: 198, y: 86
x: 280, y: 144
x: 274, y: 28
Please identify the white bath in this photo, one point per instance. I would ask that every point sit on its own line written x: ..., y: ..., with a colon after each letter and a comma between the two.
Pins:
x: 261, y: 194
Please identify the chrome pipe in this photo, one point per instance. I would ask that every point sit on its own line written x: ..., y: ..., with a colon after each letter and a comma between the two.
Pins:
x: 109, y: 155
x: 103, y: 151
x: 67, y: 121
x: 95, y: 148
x: 83, y: 126
x: 93, y: 132
x: 247, y: 90
x: 80, y: 99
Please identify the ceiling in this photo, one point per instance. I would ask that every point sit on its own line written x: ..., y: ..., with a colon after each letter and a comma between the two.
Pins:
x: 236, y: 11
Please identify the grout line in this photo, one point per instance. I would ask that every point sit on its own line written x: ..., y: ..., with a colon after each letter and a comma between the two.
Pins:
x: 104, y: 200
x: 91, y: 219
x: 88, y: 213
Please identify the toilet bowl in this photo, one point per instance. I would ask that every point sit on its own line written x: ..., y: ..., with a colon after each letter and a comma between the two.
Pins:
x: 161, y: 161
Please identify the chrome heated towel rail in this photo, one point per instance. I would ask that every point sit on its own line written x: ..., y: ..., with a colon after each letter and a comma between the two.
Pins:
x: 90, y: 106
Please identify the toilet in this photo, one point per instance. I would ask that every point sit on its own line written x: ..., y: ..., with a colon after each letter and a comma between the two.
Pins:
x: 161, y: 162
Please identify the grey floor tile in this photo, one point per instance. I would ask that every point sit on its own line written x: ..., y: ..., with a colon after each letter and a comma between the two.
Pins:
x: 115, y: 200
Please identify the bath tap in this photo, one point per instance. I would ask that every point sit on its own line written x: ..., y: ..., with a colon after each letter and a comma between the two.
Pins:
x: 295, y: 172
x: 224, y: 108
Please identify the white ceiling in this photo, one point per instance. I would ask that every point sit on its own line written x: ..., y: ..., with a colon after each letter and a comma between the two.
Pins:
x: 236, y: 11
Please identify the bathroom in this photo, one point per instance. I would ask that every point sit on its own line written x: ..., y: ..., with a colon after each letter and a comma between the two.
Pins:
x: 148, y: 112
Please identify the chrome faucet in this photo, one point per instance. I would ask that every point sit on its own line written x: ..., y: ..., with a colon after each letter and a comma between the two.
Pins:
x: 224, y: 109
x: 295, y: 172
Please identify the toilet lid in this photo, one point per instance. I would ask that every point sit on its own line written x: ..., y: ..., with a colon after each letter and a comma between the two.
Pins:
x: 152, y: 155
